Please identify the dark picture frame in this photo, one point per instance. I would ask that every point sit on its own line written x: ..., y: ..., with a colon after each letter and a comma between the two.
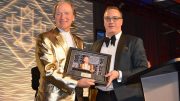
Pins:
x: 99, y: 61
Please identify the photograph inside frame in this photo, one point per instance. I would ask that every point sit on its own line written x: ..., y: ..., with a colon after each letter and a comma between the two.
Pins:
x: 87, y: 64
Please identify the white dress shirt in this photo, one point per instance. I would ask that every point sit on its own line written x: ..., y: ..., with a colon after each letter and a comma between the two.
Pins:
x: 68, y: 38
x: 112, y: 51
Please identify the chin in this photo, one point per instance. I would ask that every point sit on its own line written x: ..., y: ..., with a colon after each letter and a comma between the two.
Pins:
x: 63, y: 27
x: 112, y: 32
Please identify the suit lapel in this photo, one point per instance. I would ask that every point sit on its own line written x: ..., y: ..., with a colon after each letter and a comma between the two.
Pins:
x: 61, y: 40
x: 98, y: 45
x: 119, y: 49
x: 77, y: 41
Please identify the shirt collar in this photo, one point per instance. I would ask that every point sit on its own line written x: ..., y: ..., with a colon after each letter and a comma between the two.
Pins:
x: 63, y: 32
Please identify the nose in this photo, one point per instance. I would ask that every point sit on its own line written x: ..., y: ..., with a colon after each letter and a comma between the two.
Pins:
x: 62, y: 15
x: 111, y: 20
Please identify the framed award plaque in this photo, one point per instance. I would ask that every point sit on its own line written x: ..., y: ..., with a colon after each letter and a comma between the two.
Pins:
x: 87, y: 64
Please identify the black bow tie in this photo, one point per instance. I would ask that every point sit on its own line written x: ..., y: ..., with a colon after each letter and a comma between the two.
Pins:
x: 107, y: 40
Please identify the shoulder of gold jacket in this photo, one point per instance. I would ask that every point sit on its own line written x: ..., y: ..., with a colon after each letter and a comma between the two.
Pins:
x: 51, y: 35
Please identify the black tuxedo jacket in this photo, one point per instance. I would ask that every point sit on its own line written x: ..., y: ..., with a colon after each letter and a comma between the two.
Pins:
x: 130, y: 58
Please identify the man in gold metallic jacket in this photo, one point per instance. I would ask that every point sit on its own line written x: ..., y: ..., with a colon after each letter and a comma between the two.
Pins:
x: 51, y: 51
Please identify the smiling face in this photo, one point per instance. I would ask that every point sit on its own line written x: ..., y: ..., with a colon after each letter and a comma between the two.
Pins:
x: 64, y: 16
x: 112, y: 21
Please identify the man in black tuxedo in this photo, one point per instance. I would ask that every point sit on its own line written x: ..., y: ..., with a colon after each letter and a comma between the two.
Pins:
x: 128, y: 57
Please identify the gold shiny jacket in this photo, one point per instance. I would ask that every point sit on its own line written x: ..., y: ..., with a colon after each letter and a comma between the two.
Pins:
x: 51, y: 53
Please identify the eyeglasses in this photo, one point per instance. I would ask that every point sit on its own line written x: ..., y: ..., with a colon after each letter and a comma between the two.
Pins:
x: 113, y: 18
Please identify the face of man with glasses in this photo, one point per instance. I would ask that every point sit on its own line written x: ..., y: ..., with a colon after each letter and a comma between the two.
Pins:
x: 112, y: 21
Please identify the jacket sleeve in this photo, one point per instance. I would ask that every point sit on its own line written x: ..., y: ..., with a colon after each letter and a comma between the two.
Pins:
x: 137, y: 60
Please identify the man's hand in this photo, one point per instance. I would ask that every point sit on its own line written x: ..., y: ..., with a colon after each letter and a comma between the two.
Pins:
x: 85, y: 82
x: 111, y: 76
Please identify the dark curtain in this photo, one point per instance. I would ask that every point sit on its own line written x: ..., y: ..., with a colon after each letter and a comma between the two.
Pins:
x: 160, y: 41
